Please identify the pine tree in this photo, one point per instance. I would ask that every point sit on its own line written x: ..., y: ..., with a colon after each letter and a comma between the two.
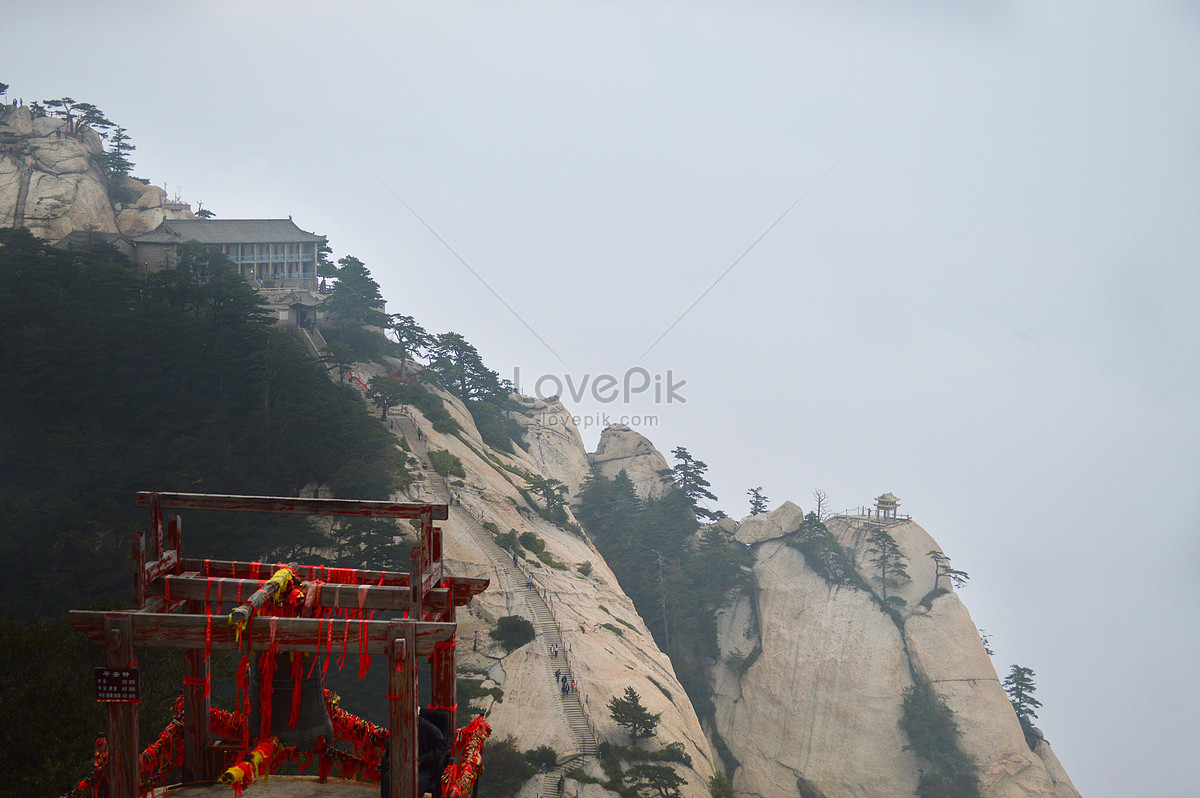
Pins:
x: 628, y: 711
x: 661, y: 780
x: 688, y: 475
x: 942, y: 567
x: 758, y: 502
x: 1020, y: 688
x: 889, y: 559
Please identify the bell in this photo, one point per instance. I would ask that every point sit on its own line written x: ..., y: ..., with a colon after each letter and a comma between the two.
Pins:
x: 312, y: 721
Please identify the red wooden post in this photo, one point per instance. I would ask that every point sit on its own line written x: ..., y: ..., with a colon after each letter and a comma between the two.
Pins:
x: 154, y: 546
x: 122, y: 726
x: 402, y: 709
x: 196, y: 732
x: 445, y: 687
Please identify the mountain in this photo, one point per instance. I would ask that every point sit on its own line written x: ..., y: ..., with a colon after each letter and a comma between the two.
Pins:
x: 820, y: 679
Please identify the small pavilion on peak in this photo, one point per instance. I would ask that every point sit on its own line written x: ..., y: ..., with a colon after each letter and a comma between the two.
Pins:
x: 886, y: 506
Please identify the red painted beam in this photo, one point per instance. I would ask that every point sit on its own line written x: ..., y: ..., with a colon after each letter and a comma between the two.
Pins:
x: 291, y: 634
x: 288, y: 504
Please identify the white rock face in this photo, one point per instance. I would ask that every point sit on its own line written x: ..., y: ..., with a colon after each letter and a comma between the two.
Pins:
x: 587, y: 609
x: 62, y: 187
x: 620, y: 448
x: 554, y: 441
x: 783, y: 520
x: 823, y: 699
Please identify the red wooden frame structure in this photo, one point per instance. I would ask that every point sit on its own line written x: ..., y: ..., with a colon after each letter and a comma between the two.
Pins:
x: 171, y: 593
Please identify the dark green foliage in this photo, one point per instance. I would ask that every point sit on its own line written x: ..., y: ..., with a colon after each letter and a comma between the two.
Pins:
x: 578, y: 774
x: 429, y: 404
x: 47, y: 695
x: 627, y: 711
x: 928, y: 599
x: 672, y: 752
x: 512, y: 632
x: 719, y: 786
x: 758, y: 502
x: 584, y: 568
x: 470, y: 689
x: 888, y: 558
x: 553, y: 494
x: 112, y: 385
x: 688, y: 476
x: 532, y: 542
x: 675, y: 585
x: 508, y: 540
x: 654, y: 681
x: 446, y: 464
x: 385, y: 393
x: 1020, y: 688
x: 655, y: 780
x: 942, y: 568
x: 505, y: 769
x: 933, y: 735
x: 551, y: 560
x: 457, y: 366
x: 495, y: 427
x: 614, y: 629
x: 824, y: 554
x: 542, y: 755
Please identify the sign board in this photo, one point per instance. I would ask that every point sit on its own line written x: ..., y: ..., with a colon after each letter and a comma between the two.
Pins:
x: 117, y: 684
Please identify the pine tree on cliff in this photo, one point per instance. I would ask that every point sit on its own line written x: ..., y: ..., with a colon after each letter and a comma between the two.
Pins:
x: 942, y: 567
x: 688, y: 475
x: 1020, y: 688
x: 889, y: 559
x: 628, y: 711
x: 758, y: 502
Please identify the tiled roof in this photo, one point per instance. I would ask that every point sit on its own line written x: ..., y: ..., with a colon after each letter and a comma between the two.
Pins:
x: 227, y: 231
x: 80, y: 238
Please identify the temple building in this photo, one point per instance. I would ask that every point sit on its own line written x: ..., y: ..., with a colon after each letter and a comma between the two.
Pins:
x: 885, y: 506
x: 272, y: 253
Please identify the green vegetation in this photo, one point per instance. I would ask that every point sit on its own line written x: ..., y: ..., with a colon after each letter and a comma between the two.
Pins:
x: 659, y: 780
x: 688, y: 477
x: 628, y: 711
x: 675, y: 585
x: 114, y: 385
x: 942, y: 568
x: 890, y: 560
x: 758, y: 502
x: 554, y: 498
x: 824, y: 554
x: 552, y: 561
x: 512, y: 632
x: 1020, y: 688
x: 532, y: 542
x: 542, y: 755
x: 584, y: 568
x: 457, y: 366
x: 933, y: 735
x: 470, y: 690
x: 446, y: 464
x: 671, y: 752
x: 505, y: 769
x: 719, y: 786
x: 614, y: 629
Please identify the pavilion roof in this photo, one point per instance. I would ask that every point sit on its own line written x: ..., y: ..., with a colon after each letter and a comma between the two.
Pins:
x: 227, y: 231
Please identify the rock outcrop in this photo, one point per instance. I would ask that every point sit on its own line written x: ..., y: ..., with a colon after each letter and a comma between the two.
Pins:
x: 809, y: 691
x: 51, y: 183
x: 606, y: 642
x: 622, y: 449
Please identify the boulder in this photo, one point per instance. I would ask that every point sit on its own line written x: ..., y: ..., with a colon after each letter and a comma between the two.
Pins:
x: 622, y: 449
x: 783, y: 520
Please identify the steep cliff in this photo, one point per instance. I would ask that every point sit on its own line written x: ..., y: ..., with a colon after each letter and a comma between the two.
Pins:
x: 51, y: 184
x: 569, y: 594
x: 811, y: 687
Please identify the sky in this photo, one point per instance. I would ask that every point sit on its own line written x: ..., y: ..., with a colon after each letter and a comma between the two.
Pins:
x: 940, y: 249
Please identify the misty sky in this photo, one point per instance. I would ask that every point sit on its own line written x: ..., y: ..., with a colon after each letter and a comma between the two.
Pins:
x: 984, y: 297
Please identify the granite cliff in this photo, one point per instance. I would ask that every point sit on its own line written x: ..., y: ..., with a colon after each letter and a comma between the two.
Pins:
x: 51, y: 183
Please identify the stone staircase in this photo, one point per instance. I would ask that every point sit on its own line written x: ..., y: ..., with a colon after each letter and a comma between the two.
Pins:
x: 436, y: 490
